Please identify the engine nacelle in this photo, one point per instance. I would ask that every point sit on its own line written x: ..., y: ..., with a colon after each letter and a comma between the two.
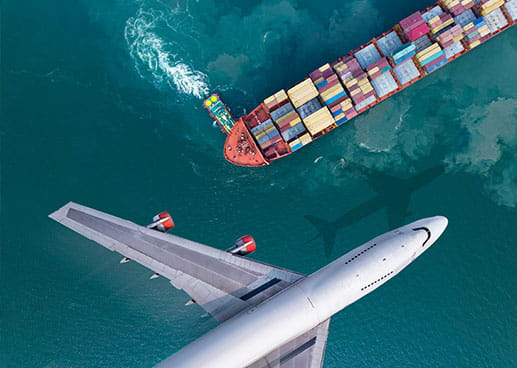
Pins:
x: 243, y: 246
x: 162, y: 222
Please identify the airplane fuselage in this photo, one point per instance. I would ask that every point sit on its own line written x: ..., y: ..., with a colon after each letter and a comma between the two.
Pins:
x: 254, y: 333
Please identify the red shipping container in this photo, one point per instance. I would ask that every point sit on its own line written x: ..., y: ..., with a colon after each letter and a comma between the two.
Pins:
x: 417, y: 32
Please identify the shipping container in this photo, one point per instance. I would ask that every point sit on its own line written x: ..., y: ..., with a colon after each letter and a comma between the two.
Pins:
x: 335, y: 93
x: 495, y: 19
x: 406, y: 72
x: 389, y: 43
x: 511, y: 8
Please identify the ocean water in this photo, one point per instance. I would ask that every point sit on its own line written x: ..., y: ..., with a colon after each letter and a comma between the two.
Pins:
x: 101, y: 104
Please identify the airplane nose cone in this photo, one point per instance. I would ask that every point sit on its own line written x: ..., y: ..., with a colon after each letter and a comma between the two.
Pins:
x: 436, y: 226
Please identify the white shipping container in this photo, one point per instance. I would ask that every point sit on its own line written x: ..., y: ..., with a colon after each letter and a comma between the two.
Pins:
x: 385, y: 84
x: 389, y: 43
x: 495, y: 20
x: 453, y: 50
x: 465, y: 18
x: 511, y: 7
x: 367, y: 56
x: 406, y: 72
x: 432, y: 13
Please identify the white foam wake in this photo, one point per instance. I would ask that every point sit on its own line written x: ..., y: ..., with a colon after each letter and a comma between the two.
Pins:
x: 155, y: 56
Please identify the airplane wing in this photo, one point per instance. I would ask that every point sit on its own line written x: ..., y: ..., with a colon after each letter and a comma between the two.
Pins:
x: 221, y: 283
x: 306, y: 351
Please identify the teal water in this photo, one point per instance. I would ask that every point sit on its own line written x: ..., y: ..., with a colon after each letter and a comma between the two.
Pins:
x: 100, y: 104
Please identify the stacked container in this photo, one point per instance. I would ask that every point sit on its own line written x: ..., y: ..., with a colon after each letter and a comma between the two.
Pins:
x: 487, y: 6
x: 511, y: 8
x: 356, y: 82
x: 285, y: 116
x: 333, y: 94
x: 382, y: 80
x: 432, y: 13
x: 440, y: 22
x: 422, y: 43
x: 319, y: 121
x: 367, y: 55
x: 389, y: 43
x: 476, y: 32
x: 406, y: 72
x: 465, y: 18
x: 456, y: 7
x: 403, y: 53
x: 493, y: 14
x: 450, y: 36
x: 327, y: 83
x: 343, y: 111
x: 302, y: 93
x: 431, y: 58
x: 266, y: 134
x: 450, y: 41
x: 414, y: 26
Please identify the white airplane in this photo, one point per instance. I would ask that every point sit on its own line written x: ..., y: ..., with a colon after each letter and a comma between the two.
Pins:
x: 270, y: 317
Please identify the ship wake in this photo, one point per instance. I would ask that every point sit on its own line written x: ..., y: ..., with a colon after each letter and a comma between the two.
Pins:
x: 159, y: 59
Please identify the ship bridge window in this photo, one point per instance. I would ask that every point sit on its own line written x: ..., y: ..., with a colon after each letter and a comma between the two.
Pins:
x: 376, y: 281
x: 361, y: 253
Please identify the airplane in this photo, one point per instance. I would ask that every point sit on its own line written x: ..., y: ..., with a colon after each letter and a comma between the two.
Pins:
x: 269, y: 317
x: 393, y: 194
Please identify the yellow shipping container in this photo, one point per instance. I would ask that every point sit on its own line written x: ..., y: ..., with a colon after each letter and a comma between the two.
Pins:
x: 491, y: 3
x: 434, y: 46
x: 373, y: 71
x: 286, y: 116
x: 367, y: 89
x: 305, y: 139
x: 468, y: 26
x: 332, y: 91
x: 452, y: 3
x: 442, y: 26
x: 281, y: 95
x: 484, y: 33
x: 355, y: 92
x: 339, y: 117
x: 362, y: 82
x: 350, y: 83
x: 269, y: 100
x: 318, y: 121
x: 295, y: 121
x: 433, y: 20
x: 475, y: 44
x: 324, y: 67
x: 490, y: 9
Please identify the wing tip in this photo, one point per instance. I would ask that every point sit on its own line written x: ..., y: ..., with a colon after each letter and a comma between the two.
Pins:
x: 61, y: 213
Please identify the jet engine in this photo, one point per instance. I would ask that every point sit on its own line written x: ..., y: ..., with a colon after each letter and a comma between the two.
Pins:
x: 162, y: 222
x: 243, y: 246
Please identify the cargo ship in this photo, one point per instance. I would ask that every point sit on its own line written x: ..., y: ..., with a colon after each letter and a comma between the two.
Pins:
x: 335, y: 93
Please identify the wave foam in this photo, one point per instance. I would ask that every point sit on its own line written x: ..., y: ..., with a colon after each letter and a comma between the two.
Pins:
x: 150, y: 52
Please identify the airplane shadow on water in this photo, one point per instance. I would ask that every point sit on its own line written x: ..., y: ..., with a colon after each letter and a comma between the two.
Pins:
x: 393, y: 194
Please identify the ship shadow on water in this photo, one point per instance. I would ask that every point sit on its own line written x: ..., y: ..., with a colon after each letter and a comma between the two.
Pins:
x: 393, y: 195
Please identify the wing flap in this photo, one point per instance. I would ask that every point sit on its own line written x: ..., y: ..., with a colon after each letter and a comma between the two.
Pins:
x: 223, y: 284
x: 306, y: 351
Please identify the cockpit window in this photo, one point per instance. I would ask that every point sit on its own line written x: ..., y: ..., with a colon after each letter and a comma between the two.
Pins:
x: 427, y: 231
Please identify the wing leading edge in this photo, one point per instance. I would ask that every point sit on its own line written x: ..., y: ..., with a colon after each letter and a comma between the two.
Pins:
x: 221, y: 283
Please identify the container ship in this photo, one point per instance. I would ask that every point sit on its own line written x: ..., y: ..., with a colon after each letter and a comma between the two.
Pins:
x: 335, y: 93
